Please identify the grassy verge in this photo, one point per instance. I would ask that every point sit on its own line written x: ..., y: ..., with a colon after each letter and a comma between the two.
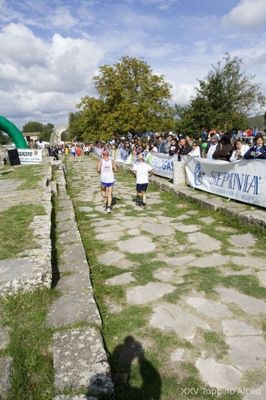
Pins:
x: 15, y: 235
x: 24, y: 314
x: 30, y: 344
x: 28, y: 174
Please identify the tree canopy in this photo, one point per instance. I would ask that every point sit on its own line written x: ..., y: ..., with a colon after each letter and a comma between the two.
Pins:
x: 224, y: 98
x: 43, y: 130
x: 130, y: 99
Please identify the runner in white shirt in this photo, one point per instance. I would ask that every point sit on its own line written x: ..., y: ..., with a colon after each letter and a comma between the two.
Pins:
x: 142, y: 170
x: 106, y: 168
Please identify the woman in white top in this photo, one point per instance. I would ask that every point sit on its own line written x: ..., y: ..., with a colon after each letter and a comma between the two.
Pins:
x: 106, y: 168
x: 240, y: 149
x: 195, y: 152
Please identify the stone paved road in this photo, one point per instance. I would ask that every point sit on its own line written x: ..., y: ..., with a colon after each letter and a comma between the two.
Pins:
x: 181, y: 283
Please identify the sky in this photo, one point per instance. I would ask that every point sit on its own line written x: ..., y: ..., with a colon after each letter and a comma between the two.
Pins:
x: 51, y: 50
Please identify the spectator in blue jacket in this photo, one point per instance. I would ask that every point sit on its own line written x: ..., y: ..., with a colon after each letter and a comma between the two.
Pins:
x: 258, y: 150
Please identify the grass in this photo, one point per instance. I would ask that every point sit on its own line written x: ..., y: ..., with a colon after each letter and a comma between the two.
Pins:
x: 15, y: 235
x: 207, y: 279
x: 215, y: 344
x: 30, y: 344
x: 28, y: 174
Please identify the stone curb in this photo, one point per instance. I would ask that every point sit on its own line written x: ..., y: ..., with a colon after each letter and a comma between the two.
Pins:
x: 80, y: 359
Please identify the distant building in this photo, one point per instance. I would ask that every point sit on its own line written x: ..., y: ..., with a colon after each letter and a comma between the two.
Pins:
x: 31, y: 137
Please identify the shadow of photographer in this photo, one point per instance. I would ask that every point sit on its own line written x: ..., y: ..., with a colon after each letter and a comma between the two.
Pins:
x: 121, y: 364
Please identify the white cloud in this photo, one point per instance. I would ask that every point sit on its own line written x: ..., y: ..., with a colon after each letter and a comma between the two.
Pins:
x: 44, y: 78
x: 247, y: 14
x: 62, y: 18
x: 20, y: 47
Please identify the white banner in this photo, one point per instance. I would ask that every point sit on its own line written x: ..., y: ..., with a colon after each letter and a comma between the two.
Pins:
x: 243, y: 180
x: 162, y: 164
x: 30, y: 156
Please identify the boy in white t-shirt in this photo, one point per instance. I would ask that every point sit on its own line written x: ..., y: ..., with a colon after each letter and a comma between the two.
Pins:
x: 142, y: 171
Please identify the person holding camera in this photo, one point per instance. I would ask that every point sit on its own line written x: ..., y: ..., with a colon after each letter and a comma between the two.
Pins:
x: 240, y: 149
x: 258, y: 150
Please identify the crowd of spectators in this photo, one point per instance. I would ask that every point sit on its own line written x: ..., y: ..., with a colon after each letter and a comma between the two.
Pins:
x: 226, y: 146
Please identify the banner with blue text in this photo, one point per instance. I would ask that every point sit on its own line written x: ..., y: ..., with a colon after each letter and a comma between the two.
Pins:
x: 162, y: 164
x: 243, y: 180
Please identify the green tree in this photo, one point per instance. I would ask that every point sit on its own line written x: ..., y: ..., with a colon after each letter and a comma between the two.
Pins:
x: 75, y: 128
x: 131, y: 99
x: 32, y: 126
x: 4, y: 138
x: 225, y: 97
x: 46, y: 132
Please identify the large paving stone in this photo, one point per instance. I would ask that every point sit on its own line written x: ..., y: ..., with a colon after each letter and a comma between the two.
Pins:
x: 25, y: 274
x: 110, y: 258
x: 209, y: 308
x: 147, y: 293
x: 176, y: 261
x: 158, y: 229
x: 124, y: 263
x: 203, y: 242
x: 65, y: 215
x: 74, y: 253
x: 167, y: 275
x: 76, y: 283
x: 247, y: 352
x: 108, y: 227
x: 123, y: 279
x: 16, y: 268
x: 258, y: 393
x: 233, y: 327
x: 109, y: 236
x: 80, y: 361
x: 5, y: 375
x: 63, y: 226
x: 72, y: 308
x: 187, y: 228
x: 131, y: 224
x: 137, y: 245
x: 247, y: 303
x: 207, y: 220
x: 134, y: 232
x: 243, y: 241
x: 230, y: 272
x: 254, y: 262
x: 214, y: 260
x: 170, y: 317
x: 216, y: 375
x: 182, y: 217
